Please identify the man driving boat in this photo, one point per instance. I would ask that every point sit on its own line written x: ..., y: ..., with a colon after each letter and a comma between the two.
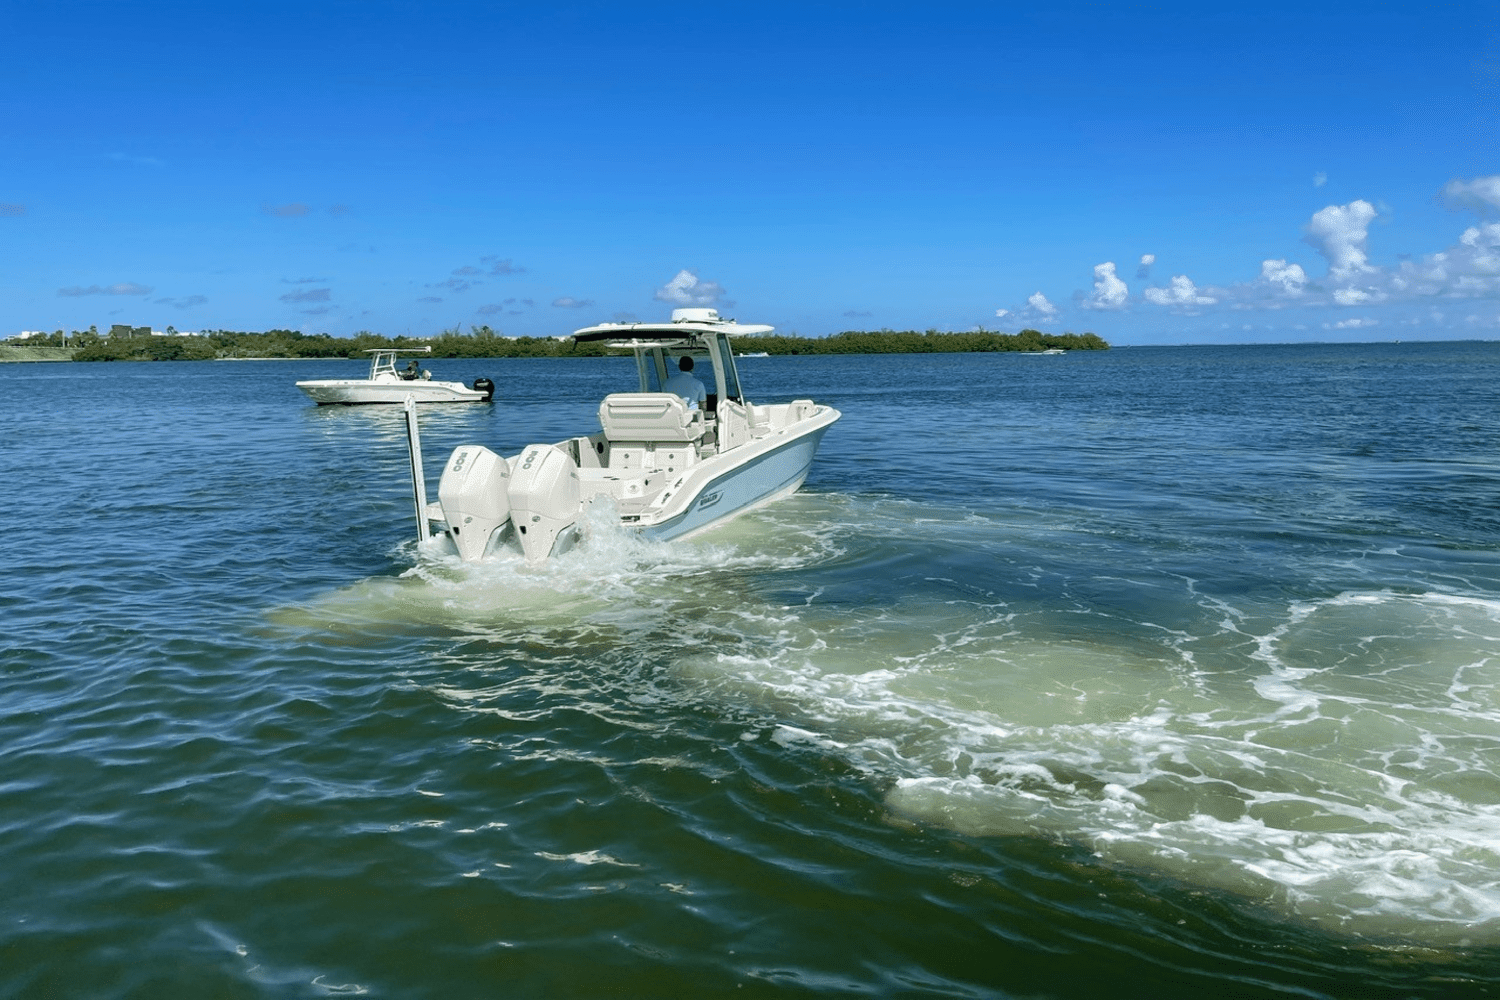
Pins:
x: 686, y: 384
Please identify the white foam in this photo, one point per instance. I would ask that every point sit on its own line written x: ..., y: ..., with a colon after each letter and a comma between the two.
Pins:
x: 1333, y: 759
x: 1346, y: 782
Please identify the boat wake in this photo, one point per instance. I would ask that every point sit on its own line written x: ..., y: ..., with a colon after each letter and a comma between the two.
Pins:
x: 1331, y: 760
x: 1345, y: 776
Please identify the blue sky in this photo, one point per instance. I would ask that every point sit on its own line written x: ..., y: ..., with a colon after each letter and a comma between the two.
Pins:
x: 1155, y: 173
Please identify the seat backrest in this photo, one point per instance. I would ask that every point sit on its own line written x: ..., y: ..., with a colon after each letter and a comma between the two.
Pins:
x: 648, y: 416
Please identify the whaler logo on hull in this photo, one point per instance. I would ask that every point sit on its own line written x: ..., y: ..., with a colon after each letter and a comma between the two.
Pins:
x: 709, y: 499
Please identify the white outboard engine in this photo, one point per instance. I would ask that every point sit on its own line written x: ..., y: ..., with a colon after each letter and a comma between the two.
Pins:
x: 475, y: 498
x: 544, y: 499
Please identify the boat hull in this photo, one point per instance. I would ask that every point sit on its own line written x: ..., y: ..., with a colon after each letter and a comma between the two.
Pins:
x: 351, y: 392
x: 707, y: 493
x: 751, y: 482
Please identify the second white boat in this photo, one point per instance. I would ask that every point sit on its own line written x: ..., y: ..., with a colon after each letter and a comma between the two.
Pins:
x: 386, y: 384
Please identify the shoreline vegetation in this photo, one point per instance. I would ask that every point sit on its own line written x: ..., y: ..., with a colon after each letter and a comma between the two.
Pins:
x: 140, y: 344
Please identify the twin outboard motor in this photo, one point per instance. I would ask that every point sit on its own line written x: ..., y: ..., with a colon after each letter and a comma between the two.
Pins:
x: 475, y: 500
x: 484, y: 385
x: 544, y: 499
x: 483, y: 497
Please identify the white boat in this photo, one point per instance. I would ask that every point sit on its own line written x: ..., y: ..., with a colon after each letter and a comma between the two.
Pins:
x: 667, y: 467
x: 385, y: 384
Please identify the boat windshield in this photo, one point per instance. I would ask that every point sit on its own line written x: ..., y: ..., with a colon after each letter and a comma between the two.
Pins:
x: 731, y: 377
x: 660, y: 364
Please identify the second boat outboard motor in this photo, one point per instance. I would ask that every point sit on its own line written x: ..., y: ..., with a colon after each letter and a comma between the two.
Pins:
x: 484, y: 385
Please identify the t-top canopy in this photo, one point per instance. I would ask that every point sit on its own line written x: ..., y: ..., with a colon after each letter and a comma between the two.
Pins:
x: 687, y: 324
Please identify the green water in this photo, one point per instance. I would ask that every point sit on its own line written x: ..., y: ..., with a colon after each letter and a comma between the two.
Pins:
x: 1163, y: 672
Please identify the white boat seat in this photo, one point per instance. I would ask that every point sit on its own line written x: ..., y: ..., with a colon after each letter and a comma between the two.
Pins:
x: 649, y: 416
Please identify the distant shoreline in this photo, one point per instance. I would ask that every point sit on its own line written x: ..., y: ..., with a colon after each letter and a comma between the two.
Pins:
x: 11, y: 353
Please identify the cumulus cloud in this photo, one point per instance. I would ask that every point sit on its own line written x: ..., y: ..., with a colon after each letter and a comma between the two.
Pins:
x: 1338, y: 232
x: 1039, y: 305
x: 10, y: 210
x: 1469, y: 268
x: 688, y: 290
x: 311, y: 295
x: 567, y: 302
x: 1352, y: 324
x: 1283, y: 278
x: 1351, y: 296
x: 1180, y: 294
x: 1109, y: 291
x: 290, y: 211
x: 126, y: 288
x: 1480, y: 248
x: 1482, y: 194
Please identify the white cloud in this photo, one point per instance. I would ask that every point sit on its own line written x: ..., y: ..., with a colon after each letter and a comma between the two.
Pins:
x: 1467, y: 269
x: 1351, y: 296
x: 1181, y: 293
x: 1109, y: 291
x: 1482, y: 194
x: 1284, y: 278
x: 568, y: 302
x: 1039, y: 305
x: 126, y: 288
x: 1352, y: 324
x: 687, y: 290
x: 1143, y: 269
x: 1481, y: 246
x: 1338, y: 232
x: 1319, y: 179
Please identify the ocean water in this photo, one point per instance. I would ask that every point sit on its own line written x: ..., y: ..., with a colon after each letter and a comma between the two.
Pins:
x: 1160, y: 671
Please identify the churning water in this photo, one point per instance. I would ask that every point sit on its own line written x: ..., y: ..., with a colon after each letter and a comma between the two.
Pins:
x: 1161, y: 670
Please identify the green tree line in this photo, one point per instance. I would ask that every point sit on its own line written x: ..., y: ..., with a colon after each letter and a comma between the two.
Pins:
x: 138, y: 344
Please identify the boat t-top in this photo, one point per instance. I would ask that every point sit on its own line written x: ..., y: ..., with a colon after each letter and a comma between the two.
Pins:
x: 669, y: 464
x: 387, y: 385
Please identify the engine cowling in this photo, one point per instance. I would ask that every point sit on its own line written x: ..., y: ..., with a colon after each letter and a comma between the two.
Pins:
x: 544, y: 499
x: 475, y: 497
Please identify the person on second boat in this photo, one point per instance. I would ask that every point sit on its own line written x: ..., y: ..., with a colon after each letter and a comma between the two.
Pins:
x: 686, y: 384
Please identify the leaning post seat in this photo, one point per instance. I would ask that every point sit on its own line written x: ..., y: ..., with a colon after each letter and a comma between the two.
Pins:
x: 649, y: 417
